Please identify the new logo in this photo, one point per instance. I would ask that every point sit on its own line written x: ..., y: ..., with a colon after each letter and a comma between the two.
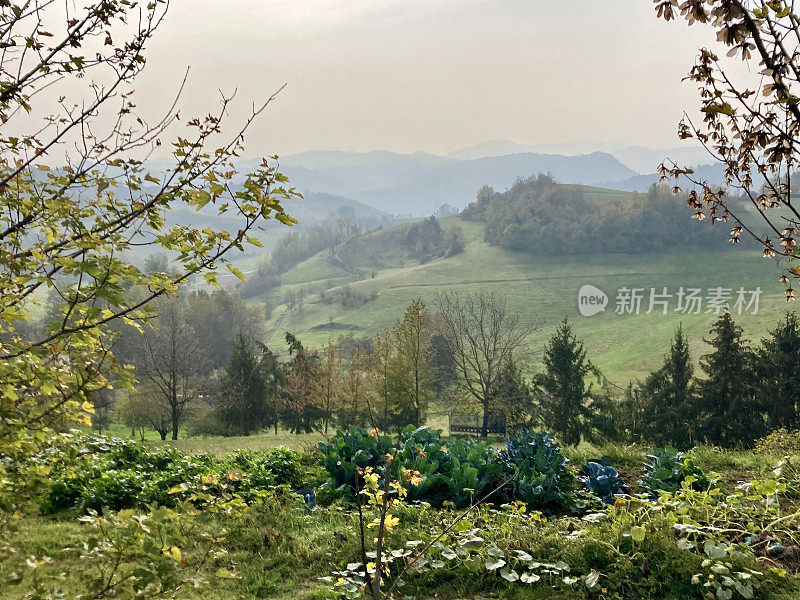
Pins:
x: 591, y: 300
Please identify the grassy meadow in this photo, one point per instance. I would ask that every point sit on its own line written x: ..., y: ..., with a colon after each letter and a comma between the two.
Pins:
x: 543, y: 289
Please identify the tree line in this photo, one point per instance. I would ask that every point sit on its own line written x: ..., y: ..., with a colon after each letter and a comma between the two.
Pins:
x: 205, y: 368
x: 743, y: 393
x: 539, y: 216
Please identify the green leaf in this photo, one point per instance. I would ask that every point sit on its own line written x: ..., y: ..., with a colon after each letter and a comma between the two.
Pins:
x: 509, y: 574
x: 637, y: 533
x: 530, y: 578
x: 494, y: 563
x: 713, y: 551
x: 236, y: 272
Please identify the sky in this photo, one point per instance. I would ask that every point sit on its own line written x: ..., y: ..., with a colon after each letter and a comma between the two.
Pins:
x: 428, y: 75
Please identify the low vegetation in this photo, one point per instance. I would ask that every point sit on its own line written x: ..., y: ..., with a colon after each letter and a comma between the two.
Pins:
x: 286, y: 524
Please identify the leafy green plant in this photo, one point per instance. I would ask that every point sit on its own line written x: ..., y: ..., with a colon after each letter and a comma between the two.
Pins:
x: 665, y: 469
x: 540, y: 477
x: 350, y: 452
x: 603, y: 481
x: 275, y: 466
x: 458, y: 470
x: 95, y: 472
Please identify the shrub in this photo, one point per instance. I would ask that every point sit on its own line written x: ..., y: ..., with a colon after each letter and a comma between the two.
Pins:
x: 780, y: 442
x: 275, y: 466
x: 541, y: 480
x: 456, y: 470
x: 349, y: 451
x: 95, y: 472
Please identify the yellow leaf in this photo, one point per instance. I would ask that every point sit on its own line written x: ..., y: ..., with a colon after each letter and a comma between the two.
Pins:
x: 175, y: 554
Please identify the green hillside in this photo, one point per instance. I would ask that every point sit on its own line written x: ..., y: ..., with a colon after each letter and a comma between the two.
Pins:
x: 625, y: 347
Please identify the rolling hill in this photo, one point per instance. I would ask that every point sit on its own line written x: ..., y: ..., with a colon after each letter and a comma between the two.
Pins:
x: 419, y: 183
x: 544, y: 289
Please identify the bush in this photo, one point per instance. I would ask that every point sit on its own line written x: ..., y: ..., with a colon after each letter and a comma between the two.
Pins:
x: 349, y: 451
x: 780, y: 442
x: 542, y: 481
x: 276, y: 466
x: 458, y: 471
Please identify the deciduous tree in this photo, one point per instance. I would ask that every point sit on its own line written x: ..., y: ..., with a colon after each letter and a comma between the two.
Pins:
x: 172, y: 361
x: 750, y: 124
x: 483, y: 335
x: 412, y: 373
x: 327, y: 386
x: 76, y: 196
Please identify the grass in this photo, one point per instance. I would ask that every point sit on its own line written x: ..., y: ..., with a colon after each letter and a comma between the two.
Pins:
x: 222, y: 444
x: 542, y: 289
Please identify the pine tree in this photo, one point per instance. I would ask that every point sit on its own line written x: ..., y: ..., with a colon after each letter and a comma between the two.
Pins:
x: 727, y: 406
x: 564, y: 384
x: 240, y: 404
x: 778, y: 374
x: 670, y: 415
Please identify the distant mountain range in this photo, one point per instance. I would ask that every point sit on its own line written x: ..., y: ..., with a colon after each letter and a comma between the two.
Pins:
x: 638, y: 158
x: 417, y: 184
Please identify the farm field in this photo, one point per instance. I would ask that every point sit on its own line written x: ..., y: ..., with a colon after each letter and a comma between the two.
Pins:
x: 544, y: 289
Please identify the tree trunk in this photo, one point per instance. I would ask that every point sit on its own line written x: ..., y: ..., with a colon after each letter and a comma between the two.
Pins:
x: 163, y: 435
x: 176, y: 415
x: 485, y: 427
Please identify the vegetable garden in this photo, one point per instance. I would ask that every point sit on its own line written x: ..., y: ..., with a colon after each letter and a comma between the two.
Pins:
x: 512, y: 518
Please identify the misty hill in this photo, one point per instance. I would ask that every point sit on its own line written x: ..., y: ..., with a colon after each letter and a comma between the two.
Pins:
x: 419, y: 183
x: 711, y: 173
x: 638, y: 158
x: 310, y: 211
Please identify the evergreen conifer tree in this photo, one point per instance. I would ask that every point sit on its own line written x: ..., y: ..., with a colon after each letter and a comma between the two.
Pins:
x: 564, y: 384
x: 728, y: 410
x: 670, y: 415
x: 240, y: 404
x: 778, y: 374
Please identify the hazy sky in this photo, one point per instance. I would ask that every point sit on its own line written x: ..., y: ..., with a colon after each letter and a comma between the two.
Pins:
x: 430, y: 75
